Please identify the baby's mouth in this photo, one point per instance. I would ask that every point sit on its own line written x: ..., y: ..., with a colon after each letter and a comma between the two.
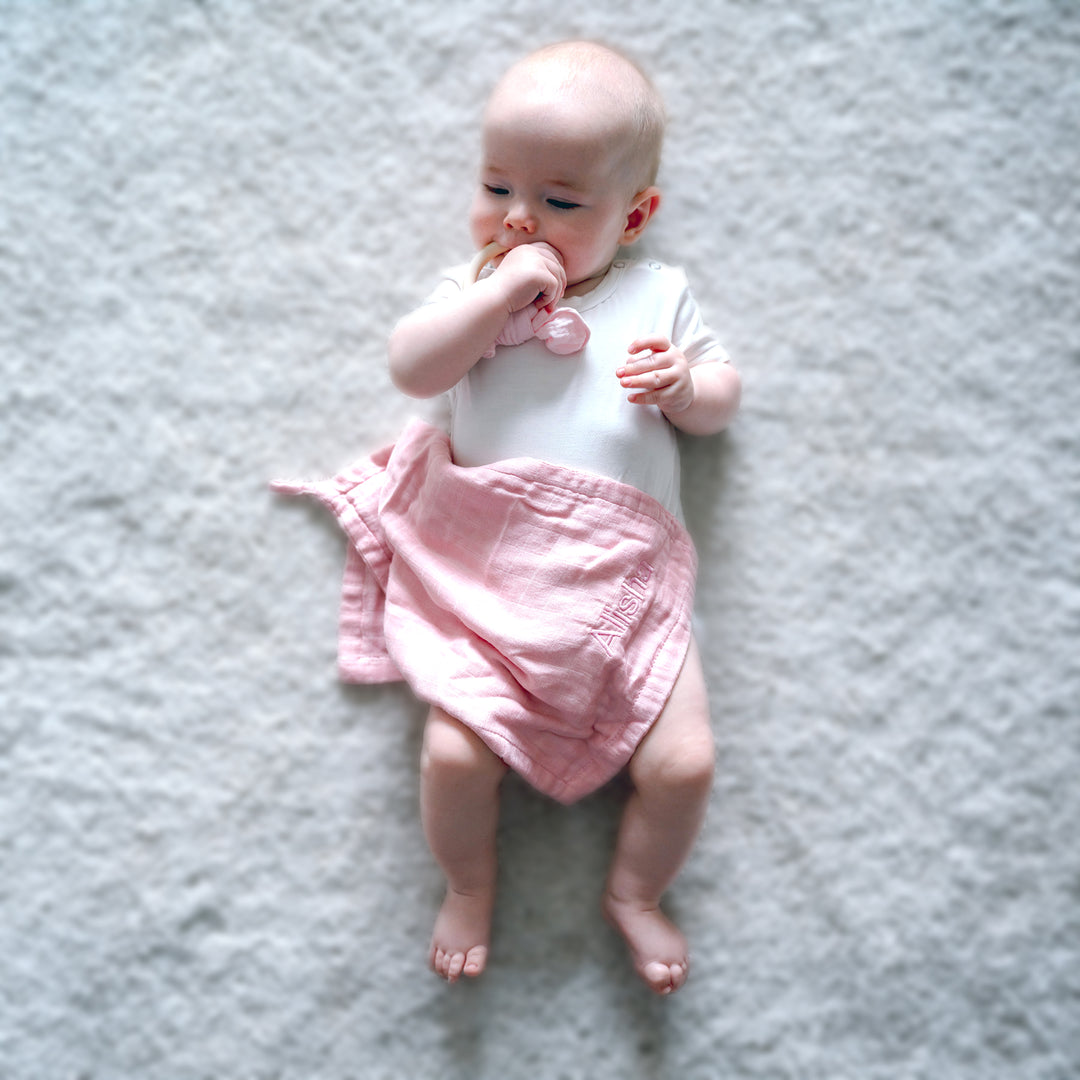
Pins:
x: 493, y: 253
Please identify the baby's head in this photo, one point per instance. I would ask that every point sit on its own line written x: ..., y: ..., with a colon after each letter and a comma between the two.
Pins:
x: 571, y: 148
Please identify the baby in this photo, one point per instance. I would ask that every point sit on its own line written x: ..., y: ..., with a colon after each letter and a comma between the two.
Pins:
x: 571, y: 147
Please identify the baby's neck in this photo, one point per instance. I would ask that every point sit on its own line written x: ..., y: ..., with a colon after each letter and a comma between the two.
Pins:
x: 580, y: 288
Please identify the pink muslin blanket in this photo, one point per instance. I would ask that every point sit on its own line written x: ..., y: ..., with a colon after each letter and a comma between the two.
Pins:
x: 546, y: 608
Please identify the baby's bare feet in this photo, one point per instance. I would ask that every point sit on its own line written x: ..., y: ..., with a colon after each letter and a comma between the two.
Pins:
x: 459, y: 942
x: 656, y: 945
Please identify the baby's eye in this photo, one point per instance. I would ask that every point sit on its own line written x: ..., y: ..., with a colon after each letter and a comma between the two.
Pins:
x: 496, y: 189
x: 563, y: 204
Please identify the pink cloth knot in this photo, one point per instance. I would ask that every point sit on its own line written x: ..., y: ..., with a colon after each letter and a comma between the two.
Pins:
x: 563, y: 330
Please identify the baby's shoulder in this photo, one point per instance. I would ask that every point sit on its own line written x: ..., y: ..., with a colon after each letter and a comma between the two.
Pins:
x: 648, y: 268
x: 650, y: 275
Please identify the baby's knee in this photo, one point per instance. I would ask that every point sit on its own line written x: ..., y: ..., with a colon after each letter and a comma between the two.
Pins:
x: 450, y: 748
x: 694, y: 765
x: 688, y: 765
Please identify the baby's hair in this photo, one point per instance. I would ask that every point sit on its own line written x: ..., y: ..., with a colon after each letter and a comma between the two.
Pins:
x: 587, y: 63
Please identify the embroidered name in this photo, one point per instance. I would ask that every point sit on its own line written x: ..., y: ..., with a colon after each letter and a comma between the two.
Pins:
x: 619, y: 615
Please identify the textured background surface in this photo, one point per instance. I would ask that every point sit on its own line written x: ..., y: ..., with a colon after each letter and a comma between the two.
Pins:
x: 210, y: 859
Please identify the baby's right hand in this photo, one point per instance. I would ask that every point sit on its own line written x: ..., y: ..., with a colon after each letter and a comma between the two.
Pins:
x: 531, y: 273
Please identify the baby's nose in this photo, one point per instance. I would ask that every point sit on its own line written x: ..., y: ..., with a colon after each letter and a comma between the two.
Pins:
x: 519, y: 216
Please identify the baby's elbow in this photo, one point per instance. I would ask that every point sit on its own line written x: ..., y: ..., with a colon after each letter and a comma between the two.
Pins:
x: 405, y: 373
x: 731, y: 391
x: 727, y: 401
x: 718, y: 394
x: 406, y: 381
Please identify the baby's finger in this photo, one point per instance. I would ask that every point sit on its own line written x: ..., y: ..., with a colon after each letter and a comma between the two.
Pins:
x: 652, y: 397
x: 636, y: 365
x: 663, y: 395
x: 656, y: 343
x: 653, y: 380
x: 552, y: 292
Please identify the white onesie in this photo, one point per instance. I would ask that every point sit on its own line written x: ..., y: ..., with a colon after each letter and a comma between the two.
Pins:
x: 571, y: 410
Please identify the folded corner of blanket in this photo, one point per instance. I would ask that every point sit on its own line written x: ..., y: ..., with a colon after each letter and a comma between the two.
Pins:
x: 291, y: 487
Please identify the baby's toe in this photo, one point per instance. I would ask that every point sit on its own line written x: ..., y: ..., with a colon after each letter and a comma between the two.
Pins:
x: 455, y: 964
x: 474, y: 961
x: 659, y: 977
x: 447, y: 965
x: 665, y: 978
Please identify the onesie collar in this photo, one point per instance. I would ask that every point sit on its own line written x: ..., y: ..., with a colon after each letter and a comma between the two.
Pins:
x: 607, y: 286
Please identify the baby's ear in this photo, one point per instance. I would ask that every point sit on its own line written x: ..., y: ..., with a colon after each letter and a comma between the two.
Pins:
x: 642, y: 208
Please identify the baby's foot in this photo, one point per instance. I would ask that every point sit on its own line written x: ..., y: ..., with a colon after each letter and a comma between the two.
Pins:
x: 656, y: 945
x: 459, y: 942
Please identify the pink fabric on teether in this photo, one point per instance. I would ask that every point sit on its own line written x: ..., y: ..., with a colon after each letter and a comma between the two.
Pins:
x: 563, y: 330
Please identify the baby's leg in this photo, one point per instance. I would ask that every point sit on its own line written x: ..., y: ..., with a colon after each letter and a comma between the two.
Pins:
x: 672, y: 773
x: 459, y: 805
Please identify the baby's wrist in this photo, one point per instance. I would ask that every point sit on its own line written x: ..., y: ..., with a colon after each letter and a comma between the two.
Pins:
x: 676, y: 409
x: 515, y: 296
x: 497, y: 295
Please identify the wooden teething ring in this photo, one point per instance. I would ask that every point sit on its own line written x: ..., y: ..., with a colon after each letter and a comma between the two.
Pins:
x: 483, y: 257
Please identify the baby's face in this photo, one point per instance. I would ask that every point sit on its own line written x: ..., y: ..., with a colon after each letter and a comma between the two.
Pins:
x: 553, y: 172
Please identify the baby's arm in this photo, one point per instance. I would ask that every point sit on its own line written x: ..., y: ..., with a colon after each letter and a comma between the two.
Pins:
x: 435, y: 346
x: 700, y: 400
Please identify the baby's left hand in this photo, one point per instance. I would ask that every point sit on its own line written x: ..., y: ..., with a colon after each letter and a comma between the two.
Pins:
x: 660, y: 373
